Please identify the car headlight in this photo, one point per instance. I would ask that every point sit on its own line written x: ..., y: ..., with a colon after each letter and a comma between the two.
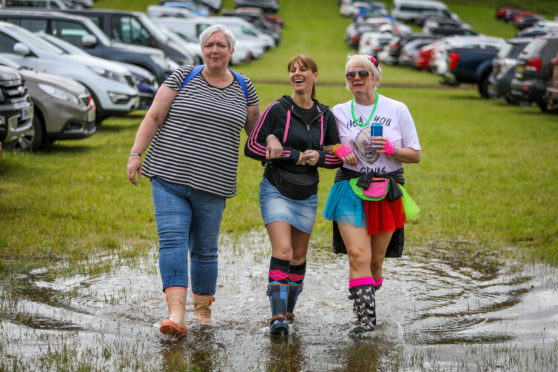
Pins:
x: 159, y: 60
x: 108, y: 74
x: 59, y: 93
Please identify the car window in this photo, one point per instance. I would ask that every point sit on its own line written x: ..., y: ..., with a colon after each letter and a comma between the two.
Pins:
x: 33, y: 25
x: 128, y: 30
x: 95, y: 19
x: 200, y: 27
x: 54, y: 5
x: 71, y: 32
x: 7, y: 43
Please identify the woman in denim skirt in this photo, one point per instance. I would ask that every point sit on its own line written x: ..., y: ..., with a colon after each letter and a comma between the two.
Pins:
x: 294, y: 136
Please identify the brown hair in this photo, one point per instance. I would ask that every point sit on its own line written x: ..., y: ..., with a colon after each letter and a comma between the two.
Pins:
x: 307, y: 62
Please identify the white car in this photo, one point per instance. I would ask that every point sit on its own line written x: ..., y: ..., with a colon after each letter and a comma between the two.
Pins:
x: 244, y: 50
x: 110, y: 84
x: 371, y: 43
x: 158, y: 11
x: 244, y: 30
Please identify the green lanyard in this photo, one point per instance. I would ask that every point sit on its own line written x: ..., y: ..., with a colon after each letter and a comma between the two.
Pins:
x: 371, y: 114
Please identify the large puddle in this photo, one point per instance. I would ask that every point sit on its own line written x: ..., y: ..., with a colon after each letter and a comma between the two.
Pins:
x: 436, y: 311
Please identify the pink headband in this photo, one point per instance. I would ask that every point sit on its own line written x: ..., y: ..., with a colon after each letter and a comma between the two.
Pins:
x: 373, y: 60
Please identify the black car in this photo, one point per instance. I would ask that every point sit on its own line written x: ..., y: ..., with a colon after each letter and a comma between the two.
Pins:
x: 16, y: 109
x: 135, y: 28
x: 534, y: 71
x: 269, y: 6
x: 83, y: 33
x: 503, y: 69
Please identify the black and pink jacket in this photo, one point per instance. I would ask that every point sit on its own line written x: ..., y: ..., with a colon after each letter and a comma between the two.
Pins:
x: 281, y: 119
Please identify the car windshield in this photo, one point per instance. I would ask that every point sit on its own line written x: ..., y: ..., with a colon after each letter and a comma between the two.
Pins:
x: 36, y: 42
x: 152, y: 28
x: 504, y: 50
x: 8, y: 62
x: 97, y: 32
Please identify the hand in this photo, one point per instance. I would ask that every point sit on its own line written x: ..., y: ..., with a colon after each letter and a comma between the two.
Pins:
x: 382, y: 145
x: 311, y: 157
x: 133, y: 167
x: 273, y: 149
x: 346, y: 154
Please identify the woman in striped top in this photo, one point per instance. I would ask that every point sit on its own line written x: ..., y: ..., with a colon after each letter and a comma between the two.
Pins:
x: 194, y: 129
x: 294, y: 137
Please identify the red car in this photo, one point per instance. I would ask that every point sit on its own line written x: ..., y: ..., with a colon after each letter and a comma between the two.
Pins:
x: 552, y: 89
x: 501, y: 12
x: 425, y: 56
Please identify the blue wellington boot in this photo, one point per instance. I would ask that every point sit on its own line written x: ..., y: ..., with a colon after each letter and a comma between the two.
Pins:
x: 278, y: 294
x: 294, y: 291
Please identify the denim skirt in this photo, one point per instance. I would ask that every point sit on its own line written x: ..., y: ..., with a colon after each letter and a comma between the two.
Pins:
x: 276, y: 207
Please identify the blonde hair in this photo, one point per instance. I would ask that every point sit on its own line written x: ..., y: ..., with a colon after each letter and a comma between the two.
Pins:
x: 364, y: 61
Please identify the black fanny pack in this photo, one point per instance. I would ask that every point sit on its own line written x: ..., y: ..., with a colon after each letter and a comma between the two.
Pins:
x: 297, y: 186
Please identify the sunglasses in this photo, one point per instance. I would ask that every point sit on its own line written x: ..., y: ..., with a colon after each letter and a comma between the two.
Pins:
x: 361, y: 73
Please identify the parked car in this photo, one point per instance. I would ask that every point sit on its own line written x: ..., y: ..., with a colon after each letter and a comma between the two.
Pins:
x: 503, y: 69
x: 145, y: 81
x: 135, y: 28
x: 242, y: 29
x: 467, y: 60
x: 197, y: 10
x: 502, y: 11
x: 257, y: 20
x: 38, y: 4
x: 83, y: 33
x: 391, y: 52
x: 209, y: 6
x: 111, y: 85
x: 423, y: 16
x: 160, y: 11
x: 16, y: 110
x: 541, y: 28
x: 534, y: 71
x: 371, y: 43
x: 446, y: 26
x: 269, y: 6
x: 552, y: 89
x: 409, y: 10
x: 424, y: 57
x: 275, y: 20
x: 245, y: 50
x: 356, y: 29
x: 63, y: 108
x: 410, y: 51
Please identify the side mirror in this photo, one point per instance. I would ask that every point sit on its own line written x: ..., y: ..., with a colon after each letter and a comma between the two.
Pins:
x: 21, y: 49
x: 88, y: 41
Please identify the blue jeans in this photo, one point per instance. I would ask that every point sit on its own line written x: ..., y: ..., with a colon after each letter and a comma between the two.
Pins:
x: 188, y: 220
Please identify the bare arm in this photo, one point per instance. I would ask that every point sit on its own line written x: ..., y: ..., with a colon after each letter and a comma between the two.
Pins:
x: 252, y: 118
x: 154, y: 118
x: 407, y: 155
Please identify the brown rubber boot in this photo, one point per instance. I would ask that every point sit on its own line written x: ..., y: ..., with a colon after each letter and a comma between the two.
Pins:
x: 202, y: 312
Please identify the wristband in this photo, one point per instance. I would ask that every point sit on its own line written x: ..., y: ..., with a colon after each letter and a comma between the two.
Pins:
x: 389, y: 149
x: 341, y: 151
x: 135, y: 154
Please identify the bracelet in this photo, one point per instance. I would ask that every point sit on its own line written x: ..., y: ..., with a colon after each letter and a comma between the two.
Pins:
x: 394, y: 152
x: 135, y: 154
x: 271, y: 136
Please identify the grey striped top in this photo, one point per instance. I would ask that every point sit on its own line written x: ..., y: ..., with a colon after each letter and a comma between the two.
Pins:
x: 197, y: 146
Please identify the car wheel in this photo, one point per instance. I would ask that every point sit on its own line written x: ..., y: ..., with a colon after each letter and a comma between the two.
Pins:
x: 483, y: 87
x: 33, y: 139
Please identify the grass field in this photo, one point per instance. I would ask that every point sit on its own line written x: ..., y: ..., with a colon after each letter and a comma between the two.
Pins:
x: 488, y: 173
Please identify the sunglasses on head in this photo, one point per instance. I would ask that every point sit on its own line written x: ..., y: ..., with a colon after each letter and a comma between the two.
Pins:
x: 361, y: 73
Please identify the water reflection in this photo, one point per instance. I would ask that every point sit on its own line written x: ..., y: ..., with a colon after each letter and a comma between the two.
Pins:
x: 455, y: 308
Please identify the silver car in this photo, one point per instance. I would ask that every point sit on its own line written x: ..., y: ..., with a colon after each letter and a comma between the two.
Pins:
x: 111, y: 85
x: 63, y: 108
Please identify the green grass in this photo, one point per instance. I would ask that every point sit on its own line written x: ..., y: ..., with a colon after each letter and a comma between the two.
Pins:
x: 488, y: 171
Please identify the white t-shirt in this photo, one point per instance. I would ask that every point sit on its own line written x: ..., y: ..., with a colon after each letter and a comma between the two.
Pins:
x: 398, y: 127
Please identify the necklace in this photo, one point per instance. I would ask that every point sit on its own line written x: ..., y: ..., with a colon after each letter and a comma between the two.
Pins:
x: 371, y: 114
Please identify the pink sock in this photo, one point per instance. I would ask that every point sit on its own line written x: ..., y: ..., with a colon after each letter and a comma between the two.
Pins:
x: 361, y: 281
